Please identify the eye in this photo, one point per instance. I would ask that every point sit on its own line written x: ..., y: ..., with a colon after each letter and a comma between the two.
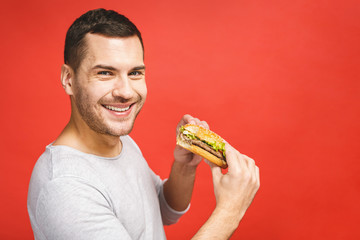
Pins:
x: 105, y: 73
x: 136, y: 73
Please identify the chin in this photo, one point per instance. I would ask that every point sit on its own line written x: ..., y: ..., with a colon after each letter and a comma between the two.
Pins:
x: 120, y: 132
x: 120, y: 129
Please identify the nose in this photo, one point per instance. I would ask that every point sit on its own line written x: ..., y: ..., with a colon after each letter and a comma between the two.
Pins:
x: 122, y: 88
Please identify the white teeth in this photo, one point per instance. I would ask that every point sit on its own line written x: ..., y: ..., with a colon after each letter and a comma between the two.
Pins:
x: 117, y: 109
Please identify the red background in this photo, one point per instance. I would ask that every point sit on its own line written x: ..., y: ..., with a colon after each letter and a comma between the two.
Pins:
x: 277, y: 79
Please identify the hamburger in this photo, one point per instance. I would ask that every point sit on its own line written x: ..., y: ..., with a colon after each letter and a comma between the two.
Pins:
x: 203, y: 142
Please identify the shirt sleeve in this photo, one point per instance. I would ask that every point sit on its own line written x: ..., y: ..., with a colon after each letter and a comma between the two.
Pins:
x: 70, y: 208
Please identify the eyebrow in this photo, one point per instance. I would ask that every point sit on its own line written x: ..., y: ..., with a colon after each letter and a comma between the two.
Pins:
x: 104, y: 67
x: 141, y: 67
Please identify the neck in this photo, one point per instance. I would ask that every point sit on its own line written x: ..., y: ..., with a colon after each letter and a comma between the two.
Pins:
x: 83, y: 138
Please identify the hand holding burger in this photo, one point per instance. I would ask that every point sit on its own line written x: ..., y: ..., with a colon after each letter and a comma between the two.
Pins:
x: 234, y: 190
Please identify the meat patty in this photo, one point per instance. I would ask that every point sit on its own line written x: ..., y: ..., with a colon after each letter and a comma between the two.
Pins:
x: 202, y: 145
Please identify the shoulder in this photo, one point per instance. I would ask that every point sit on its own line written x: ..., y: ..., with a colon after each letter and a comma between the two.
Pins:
x: 131, y: 149
x: 61, y: 162
x: 58, y: 185
x: 128, y: 142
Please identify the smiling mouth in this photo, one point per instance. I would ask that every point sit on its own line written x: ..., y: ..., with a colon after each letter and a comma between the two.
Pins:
x: 117, y: 109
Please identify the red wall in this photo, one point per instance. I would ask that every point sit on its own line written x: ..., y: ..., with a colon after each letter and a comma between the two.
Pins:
x: 277, y: 79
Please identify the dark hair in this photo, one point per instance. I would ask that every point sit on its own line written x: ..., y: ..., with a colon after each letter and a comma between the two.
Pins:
x: 100, y: 21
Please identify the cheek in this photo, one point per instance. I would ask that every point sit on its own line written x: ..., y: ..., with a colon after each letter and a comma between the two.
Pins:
x: 144, y: 92
x: 141, y: 89
x: 87, y: 95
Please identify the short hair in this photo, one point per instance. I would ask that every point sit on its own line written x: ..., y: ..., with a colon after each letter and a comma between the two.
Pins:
x: 101, y: 21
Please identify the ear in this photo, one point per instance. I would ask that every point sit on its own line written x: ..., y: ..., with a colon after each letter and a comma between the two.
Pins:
x: 67, y: 78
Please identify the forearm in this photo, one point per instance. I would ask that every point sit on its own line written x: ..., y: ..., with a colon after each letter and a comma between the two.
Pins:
x: 220, y: 225
x: 179, y: 186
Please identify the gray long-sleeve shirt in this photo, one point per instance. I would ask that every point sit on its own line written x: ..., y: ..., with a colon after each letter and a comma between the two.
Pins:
x: 73, y: 195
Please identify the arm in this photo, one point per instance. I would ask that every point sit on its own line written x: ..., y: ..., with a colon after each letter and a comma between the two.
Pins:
x: 179, y: 186
x: 234, y: 192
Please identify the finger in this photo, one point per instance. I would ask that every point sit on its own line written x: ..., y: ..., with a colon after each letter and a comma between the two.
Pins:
x: 233, y: 159
x: 215, y: 170
x: 197, y: 158
x: 195, y: 121
x: 250, y: 163
x: 187, y: 118
x: 257, y: 173
x: 253, y: 169
x: 184, y: 120
x: 204, y: 124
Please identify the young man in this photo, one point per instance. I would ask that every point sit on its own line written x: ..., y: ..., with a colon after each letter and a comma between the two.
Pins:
x: 92, y: 182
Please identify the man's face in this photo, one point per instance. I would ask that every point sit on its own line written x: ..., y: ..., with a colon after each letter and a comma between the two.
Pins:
x: 109, y: 88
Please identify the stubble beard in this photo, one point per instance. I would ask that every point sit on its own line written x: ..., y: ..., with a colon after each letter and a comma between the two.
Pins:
x: 96, y: 122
